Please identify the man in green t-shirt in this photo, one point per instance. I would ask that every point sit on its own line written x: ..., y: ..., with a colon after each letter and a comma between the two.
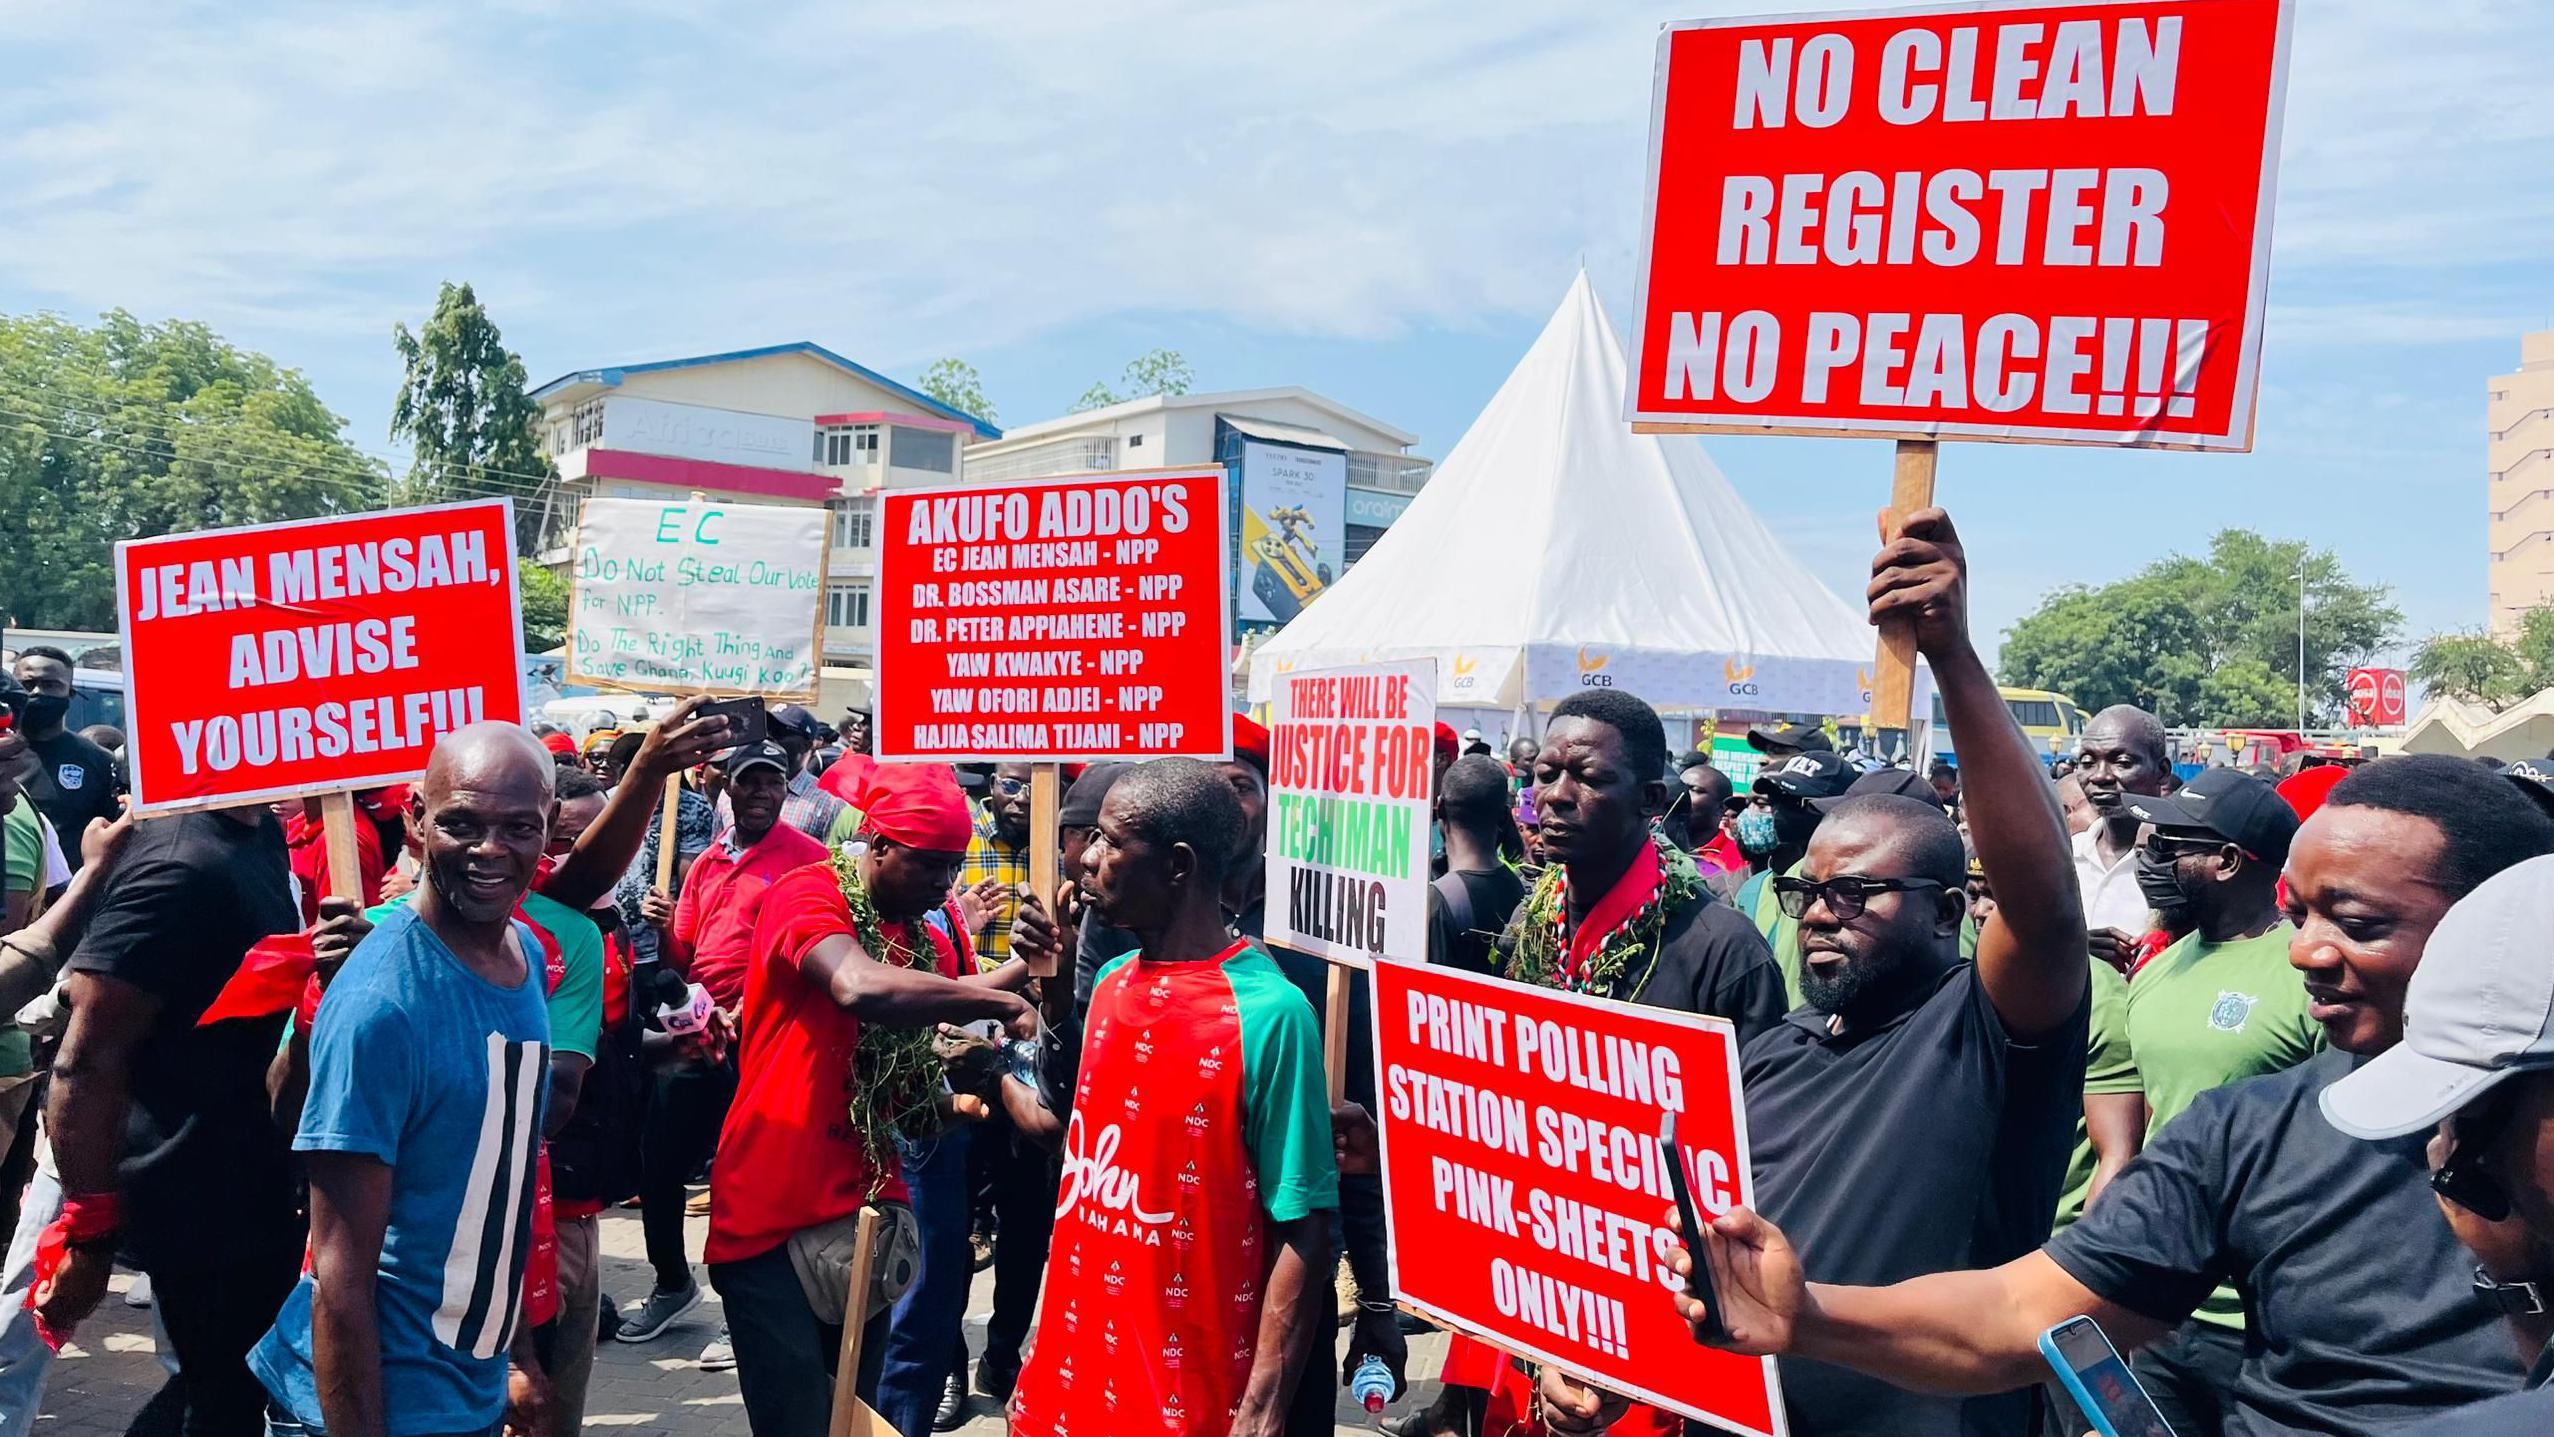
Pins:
x: 2219, y: 1006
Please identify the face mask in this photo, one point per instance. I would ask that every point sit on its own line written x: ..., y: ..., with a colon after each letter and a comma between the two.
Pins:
x: 2160, y: 884
x: 1756, y: 833
x: 46, y: 710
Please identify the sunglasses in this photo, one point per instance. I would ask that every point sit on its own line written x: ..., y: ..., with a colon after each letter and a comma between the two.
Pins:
x: 2164, y: 847
x: 1010, y: 787
x: 2464, y: 1176
x: 1845, y: 897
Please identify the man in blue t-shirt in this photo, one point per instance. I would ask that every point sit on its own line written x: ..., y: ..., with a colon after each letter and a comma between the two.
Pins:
x: 429, y: 1066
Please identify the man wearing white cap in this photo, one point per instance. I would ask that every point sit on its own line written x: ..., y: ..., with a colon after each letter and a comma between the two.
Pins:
x: 2477, y: 1064
x: 2359, y: 1312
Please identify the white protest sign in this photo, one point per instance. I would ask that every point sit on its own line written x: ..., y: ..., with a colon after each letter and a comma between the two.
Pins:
x: 1352, y: 786
x: 699, y: 596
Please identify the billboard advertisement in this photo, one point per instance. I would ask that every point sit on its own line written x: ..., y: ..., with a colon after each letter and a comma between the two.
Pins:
x: 1294, y: 519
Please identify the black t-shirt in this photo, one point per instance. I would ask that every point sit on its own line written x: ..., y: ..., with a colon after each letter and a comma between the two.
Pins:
x: 1931, y: 1143
x: 1710, y: 960
x: 1494, y: 895
x: 2359, y: 1300
x: 74, y: 782
x: 202, y: 1153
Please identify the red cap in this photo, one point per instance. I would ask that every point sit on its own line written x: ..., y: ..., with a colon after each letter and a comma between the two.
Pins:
x: 1250, y: 741
x: 559, y: 743
x: 918, y: 805
x: 2306, y: 789
x: 1448, y: 741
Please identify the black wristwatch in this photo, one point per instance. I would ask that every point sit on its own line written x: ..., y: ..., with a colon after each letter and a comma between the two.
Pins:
x: 2517, y: 1299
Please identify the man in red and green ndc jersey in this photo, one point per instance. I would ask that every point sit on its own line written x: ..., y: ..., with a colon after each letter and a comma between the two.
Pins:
x: 1188, y: 1280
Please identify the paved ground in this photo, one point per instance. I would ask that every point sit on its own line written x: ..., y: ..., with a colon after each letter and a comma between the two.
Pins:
x: 652, y: 1388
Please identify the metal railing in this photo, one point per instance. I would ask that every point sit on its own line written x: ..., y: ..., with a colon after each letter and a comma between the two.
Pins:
x: 1391, y: 473
x: 1075, y: 454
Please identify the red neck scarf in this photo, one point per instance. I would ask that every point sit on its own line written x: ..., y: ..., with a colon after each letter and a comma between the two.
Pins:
x: 1624, y: 902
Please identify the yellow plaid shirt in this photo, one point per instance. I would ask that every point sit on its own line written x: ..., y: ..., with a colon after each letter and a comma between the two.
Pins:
x: 989, y: 856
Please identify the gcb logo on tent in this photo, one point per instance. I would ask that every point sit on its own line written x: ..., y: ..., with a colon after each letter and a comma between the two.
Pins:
x: 1741, y: 677
x: 1467, y: 675
x: 1592, y: 673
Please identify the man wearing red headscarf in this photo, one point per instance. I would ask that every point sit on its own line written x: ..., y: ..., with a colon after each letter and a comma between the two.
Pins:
x: 792, y: 1167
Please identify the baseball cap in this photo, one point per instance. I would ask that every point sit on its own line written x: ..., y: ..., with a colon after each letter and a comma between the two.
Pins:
x: 2535, y: 778
x: 1818, y: 773
x: 793, y: 718
x: 2230, y: 803
x: 1789, y: 735
x: 1905, y: 783
x: 2480, y: 1008
x: 761, y: 751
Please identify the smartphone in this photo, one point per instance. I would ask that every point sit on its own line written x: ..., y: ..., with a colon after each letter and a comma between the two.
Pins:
x: 747, y: 720
x: 2097, y: 1377
x: 1698, y: 1283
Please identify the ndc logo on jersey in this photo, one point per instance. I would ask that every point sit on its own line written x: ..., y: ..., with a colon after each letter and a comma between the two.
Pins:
x: 2231, y: 1012
x: 1740, y: 677
x: 1592, y: 673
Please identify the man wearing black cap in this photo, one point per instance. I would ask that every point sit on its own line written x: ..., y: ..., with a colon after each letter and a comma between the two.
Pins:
x: 806, y: 807
x: 1791, y: 791
x: 2219, y: 1006
x: 1778, y: 741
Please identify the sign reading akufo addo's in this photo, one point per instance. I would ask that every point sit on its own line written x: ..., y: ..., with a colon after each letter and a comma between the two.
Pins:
x: 1527, y: 1188
x: 323, y: 654
x: 1055, y: 620
x: 1351, y: 786
x: 1990, y: 220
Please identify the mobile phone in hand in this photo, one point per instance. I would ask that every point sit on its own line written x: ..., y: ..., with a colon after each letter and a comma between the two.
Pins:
x: 747, y: 720
x: 2097, y: 1377
x: 1698, y: 1283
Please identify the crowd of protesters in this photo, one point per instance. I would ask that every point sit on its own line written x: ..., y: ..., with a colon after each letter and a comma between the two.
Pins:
x: 2259, y: 1076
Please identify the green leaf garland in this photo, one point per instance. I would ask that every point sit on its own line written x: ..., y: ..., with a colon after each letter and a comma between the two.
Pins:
x: 895, y: 1075
x: 1539, y: 945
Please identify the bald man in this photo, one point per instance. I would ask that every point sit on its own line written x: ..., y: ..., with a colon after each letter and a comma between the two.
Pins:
x: 429, y: 1065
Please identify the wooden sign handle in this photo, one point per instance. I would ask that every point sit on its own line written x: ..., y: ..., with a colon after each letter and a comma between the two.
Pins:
x: 345, y: 865
x: 1334, y: 1031
x: 851, y: 1416
x: 1893, y: 675
x: 665, y: 844
x: 1046, y: 800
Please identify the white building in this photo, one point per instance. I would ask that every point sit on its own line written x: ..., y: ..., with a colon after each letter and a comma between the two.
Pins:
x: 1312, y: 483
x: 785, y: 424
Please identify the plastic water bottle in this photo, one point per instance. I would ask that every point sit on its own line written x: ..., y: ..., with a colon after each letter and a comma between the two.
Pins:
x: 1371, y: 1384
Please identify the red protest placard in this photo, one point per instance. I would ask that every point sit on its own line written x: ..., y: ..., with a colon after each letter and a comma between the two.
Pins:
x: 321, y: 654
x: 1526, y: 1189
x: 1988, y: 220
x: 1055, y: 620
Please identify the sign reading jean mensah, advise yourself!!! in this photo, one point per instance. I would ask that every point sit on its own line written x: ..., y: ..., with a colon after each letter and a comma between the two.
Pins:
x: 1982, y: 221
x: 322, y: 654
x: 698, y: 597
x: 1526, y: 1188
x: 1351, y: 782
x: 1055, y: 620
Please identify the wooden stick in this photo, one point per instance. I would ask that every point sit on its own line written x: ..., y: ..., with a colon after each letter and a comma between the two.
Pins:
x: 1046, y: 798
x: 1334, y: 1031
x: 1893, y: 676
x: 851, y: 1416
x: 665, y: 844
x: 345, y: 865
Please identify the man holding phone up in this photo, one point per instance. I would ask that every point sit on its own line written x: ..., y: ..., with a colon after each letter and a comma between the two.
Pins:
x: 1918, y: 1110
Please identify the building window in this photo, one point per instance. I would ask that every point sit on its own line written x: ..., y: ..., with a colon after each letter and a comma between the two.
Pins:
x: 847, y: 606
x: 1134, y: 441
x: 1356, y: 539
x: 847, y: 444
x: 854, y: 525
x: 587, y: 425
x: 932, y: 449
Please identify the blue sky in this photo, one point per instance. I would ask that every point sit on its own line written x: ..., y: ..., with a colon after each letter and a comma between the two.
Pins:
x: 1379, y: 201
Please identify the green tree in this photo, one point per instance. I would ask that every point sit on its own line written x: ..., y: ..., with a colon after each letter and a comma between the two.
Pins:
x: 471, y: 428
x: 955, y: 383
x: 130, y: 429
x: 1156, y: 371
x: 2209, y: 639
x: 544, y: 595
x: 2483, y: 668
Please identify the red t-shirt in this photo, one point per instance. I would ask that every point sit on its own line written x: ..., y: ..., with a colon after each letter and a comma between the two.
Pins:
x: 788, y: 1158
x: 722, y: 896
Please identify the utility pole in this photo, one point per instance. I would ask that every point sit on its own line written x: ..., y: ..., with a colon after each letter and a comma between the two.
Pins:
x: 2301, y: 642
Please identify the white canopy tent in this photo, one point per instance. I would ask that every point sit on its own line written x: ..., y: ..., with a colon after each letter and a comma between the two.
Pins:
x: 1556, y: 550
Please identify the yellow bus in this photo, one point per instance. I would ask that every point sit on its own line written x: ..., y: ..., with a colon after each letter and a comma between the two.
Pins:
x: 2049, y: 719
